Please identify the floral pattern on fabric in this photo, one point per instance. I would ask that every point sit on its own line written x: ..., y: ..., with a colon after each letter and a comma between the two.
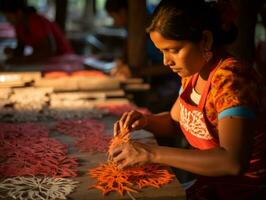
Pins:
x: 193, y: 122
x: 232, y: 85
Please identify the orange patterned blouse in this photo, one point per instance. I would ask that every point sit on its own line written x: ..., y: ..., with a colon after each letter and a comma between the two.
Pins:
x: 233, y: 92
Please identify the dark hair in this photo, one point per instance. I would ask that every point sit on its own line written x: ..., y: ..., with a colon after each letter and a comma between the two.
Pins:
x: 187, y: 19
x: 116, y: 5
x: 15, y: 5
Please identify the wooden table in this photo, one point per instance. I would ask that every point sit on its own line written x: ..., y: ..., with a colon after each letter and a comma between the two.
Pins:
x: 172, y: 191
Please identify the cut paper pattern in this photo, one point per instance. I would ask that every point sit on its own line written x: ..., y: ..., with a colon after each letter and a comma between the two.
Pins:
x: 151, y: 175
x: 79, y: 73
x: 93, y: 143
x: 122, y: 137
x: 13, y: 131
x: 120, y: 109
x: 110, y: 178
x: 25, y: 149
x: 79, y: 128
x: 90, y: 134
x: 33, y: 188
x: 37, y: 156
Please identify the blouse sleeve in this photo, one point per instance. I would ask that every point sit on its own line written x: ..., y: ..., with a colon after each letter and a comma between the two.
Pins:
x: 233, y: 86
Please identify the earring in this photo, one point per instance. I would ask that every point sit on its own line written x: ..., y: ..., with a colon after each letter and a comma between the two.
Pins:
x: 207, y: 55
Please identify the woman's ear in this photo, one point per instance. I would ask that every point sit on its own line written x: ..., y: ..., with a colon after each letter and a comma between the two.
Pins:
x: 207, y: 40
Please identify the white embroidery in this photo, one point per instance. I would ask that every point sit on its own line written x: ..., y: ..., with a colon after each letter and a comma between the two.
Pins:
x: 193, y: 122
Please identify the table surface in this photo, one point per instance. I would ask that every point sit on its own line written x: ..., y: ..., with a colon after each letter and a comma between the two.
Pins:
x: 170, y: 191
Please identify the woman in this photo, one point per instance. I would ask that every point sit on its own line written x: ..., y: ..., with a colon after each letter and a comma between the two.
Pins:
x: 32, y: 29
x: 118, y: 10
x: 216, y: 108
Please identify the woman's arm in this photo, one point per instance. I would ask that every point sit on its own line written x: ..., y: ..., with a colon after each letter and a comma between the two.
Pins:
x: 165, y: 124
x: 162, y: 124
x: 231, y: 158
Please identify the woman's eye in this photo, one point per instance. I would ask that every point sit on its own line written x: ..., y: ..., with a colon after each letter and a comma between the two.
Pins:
x: 174, y: 50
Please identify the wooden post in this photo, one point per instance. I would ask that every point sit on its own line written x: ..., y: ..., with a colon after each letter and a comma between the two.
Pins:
x: 88, y: 14
x: 137, y: 56
x: 61, y: 13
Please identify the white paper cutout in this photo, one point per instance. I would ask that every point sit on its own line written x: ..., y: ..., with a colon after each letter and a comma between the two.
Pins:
x: 32, y: 188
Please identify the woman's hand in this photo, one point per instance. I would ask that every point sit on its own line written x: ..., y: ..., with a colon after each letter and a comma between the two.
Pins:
x: 132, y: 154
x: 121, y: 71
x: 131, y: 121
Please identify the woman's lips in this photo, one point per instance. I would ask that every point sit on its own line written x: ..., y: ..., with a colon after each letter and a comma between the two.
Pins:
x: 176, y: 69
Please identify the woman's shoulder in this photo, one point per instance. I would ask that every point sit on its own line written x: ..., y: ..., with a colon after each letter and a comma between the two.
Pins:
x: 229, y: 63
x: 234, y: 84
x: 232, y: 68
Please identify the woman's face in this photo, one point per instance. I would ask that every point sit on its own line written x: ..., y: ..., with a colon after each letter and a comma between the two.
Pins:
x: 119, y: 17
x: 183, y: 57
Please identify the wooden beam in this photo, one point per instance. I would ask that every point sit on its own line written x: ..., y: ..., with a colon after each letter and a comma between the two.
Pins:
x: 88, y: 14
x: 61, y: 13
x: 244, y: 46
x: 137, y: 56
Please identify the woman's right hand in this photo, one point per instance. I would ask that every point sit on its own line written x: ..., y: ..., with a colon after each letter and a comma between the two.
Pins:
x: 131, y: 121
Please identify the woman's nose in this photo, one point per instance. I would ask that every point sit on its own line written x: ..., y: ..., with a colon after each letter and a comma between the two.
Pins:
x: 167, y: 60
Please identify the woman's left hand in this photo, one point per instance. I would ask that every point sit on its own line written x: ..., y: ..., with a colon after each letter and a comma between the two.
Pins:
x: 132, y: 154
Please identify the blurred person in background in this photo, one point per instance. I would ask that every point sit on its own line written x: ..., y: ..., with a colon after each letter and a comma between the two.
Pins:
x: 34, y: 30
x: 164, y: 83
x: 118, y: 10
